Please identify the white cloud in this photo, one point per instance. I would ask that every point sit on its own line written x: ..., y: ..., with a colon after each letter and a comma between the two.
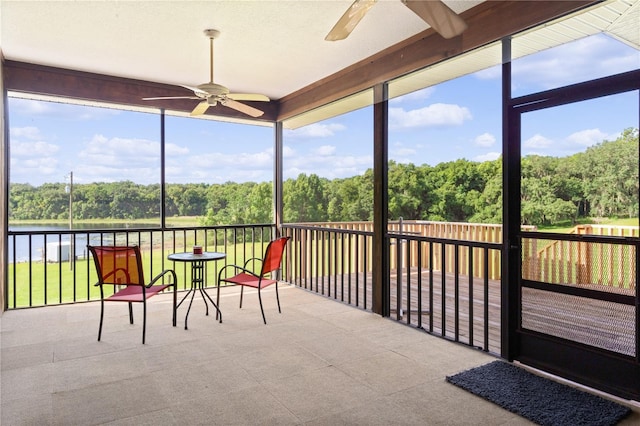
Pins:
x: 433, y: 115
x: 582, y: 60
x: 30, y: 107
x: 287, y: 152
x: 220, y: 167
x: 120, y: 151
x: 485, y: 140
x: 329, y: 166
x: 403, y: 152
x: 33, y: 149
x: 172, y: 150
x: 34, y: 163
x: 400, y: 152
x: 418, y: 95
x: 218, y: 160
x: 490, y: 73
x: 29, y: 132
x: 538, y: 141
x: 325, y: 150
x: 587, y: 137
x: 489, y: 156
x: 316, y: 130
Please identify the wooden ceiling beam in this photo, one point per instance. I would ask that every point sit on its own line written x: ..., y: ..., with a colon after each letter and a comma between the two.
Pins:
x: 65, y: 83
x: 488, y: 22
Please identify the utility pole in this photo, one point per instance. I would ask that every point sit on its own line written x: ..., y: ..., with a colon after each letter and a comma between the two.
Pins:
x: 70, y: 200
x: 72, y: 252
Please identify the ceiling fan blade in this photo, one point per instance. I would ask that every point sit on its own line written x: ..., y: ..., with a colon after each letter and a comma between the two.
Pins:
x: 198, y: 92
x: 246, y: 109
x: 439, y: 17
x: 248, y: 97
x: 201, y: 108
x: 349, y: 20
x: 170, y: 97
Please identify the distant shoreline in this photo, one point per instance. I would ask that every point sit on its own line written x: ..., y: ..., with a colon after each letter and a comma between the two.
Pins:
x: 172, y: 221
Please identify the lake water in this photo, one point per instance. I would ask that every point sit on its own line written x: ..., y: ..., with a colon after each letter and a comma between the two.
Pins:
x: 58, y: 247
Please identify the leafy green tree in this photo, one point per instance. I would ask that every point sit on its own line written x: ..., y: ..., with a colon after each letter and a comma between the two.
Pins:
x: 261, y: 203
x: 458, y: 185
x: 602, y: 181
x: 193, y: 200
x: 304, y: 199
x: 546, y: 193
x: 350, y: 199
x: 610, y: 176
x: 408, y: 195
x: 488, y: 204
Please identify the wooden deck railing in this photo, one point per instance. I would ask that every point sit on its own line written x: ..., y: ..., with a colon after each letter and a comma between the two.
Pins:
x: 475, y: 232
x: 580, y: 262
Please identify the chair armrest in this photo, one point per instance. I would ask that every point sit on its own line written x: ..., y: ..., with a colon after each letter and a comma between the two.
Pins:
x: 253, y: 259
x: 162, y: 274
x: 236, y: 269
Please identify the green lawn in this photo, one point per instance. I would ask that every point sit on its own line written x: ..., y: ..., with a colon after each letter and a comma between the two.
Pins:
x: 41, y: 283
x: 567, y: 226
x: 181, y: 221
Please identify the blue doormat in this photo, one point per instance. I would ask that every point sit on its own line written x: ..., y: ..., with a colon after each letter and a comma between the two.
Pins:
x: 536, y: 398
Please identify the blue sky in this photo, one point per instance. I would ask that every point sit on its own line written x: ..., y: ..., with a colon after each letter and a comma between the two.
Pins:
x: 457, y: 119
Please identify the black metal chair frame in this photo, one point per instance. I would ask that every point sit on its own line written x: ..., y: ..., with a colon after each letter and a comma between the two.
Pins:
x: 101, y: 283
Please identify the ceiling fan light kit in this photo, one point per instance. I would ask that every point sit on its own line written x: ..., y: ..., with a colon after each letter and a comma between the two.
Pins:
x: 211, y: 94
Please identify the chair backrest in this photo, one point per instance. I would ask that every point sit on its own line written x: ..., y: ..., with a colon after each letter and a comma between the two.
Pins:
x: 273, y: 255
x: 118, y: 264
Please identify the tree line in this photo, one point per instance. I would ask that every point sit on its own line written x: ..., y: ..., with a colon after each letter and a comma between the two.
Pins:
x: 602, y: 181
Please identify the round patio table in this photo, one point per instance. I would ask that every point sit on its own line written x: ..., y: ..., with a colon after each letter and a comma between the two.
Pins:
x: 197, y: 278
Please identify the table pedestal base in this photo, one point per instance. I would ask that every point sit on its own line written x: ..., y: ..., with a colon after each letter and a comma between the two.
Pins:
x: 197, y: 284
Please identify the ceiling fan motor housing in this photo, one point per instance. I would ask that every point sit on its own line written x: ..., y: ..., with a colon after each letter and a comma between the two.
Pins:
x: 213, y: 89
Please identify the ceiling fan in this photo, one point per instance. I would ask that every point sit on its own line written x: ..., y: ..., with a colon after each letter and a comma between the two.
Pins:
x: 434, y: 12
x: 212, y: 94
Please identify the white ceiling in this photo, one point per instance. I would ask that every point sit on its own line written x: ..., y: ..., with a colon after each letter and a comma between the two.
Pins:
x: 269, y: 47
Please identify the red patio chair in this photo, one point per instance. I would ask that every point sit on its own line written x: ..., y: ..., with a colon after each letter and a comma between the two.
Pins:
x: 121, y: 266
x: 247, y: 278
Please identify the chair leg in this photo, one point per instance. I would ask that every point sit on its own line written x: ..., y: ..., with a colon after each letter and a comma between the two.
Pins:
x: 241, y: 293
x: 175, y: 306
x: 130, y: 313
x: 101, y: 318
x: 144, y: 320
x: 278, y: 298
x: 218, y: 298
x: 261, y: 310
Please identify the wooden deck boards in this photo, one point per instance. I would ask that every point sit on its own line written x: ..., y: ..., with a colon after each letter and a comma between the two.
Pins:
x: 604, y: 325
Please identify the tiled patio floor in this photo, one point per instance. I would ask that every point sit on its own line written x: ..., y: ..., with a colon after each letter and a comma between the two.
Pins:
x: 320, y: 362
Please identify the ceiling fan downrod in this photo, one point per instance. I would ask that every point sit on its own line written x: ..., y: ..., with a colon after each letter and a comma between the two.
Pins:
x: 212, y: 34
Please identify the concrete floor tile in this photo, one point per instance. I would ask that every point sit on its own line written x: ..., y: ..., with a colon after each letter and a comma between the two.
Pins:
x: 341, y: 347
x: 34, y: 409
x: 387, y: 372
x: 162, y: 417
x: 278, y: 361
x: 26, y: 355
x: 90, y: 371
x: 250, y: 406
x: 27, y: 382
x: 107, y: 402
x: 318, y: 393
x: 187, y: 381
